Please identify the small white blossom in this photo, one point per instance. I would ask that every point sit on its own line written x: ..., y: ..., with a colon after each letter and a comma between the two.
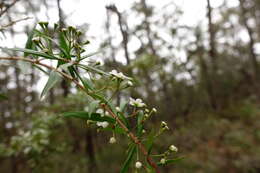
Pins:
x: 137, y: 103
x: 173, y: 148
x: 102, y: 124
x: 138, y: 165
x: 118, y: 109
x: 163, y: 161
x: 118, y: 75
x: 112, y: 140
x: 129, y: 83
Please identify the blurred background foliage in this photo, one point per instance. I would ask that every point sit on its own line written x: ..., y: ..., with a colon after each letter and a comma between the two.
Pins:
x: 204, y: 81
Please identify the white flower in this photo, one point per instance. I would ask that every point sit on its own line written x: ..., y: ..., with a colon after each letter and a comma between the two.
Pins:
x: 118, y: 75
x: 154, y: 110
x: 137, y: 103
x: 173, y: 148
x: 112, y: 140
x: 138, y: 165
x: 129, y: 83
x: 102, y: 124
x: 163, y: 161
x: 118, y: 109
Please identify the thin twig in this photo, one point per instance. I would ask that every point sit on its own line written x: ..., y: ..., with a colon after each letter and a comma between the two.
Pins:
x: 14, y: 22
x: 8, y: 7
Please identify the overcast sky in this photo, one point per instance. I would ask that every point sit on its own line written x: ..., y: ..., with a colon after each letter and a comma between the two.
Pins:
x: 93, y: 13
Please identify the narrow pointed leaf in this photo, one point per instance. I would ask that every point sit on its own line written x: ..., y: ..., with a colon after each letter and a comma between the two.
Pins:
x: 87, y: 83
x: 123, y: 105
x: 89, y: 55
x: 29, y: 43
x: 54, y: 78
x: 129, y: 159
x: 93, y: 69
x: 29, y: 51
x: 140, y: 117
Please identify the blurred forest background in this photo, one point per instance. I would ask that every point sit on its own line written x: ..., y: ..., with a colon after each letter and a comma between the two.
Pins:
x: 204, y: 81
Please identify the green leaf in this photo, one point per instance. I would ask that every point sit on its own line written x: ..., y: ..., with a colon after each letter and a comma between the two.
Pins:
x: 3, y: 97
x: 29, y: 43
x: 117, y: 129
x: 64, y: 45
x: 54, y: 78
x: 40, y: 68
x: 149, y: 142
x: 87, y: 83
x: 86, y: 116
x: 89, y: 55
x: 29, y: 51
x: 140, y: 117
x: 124, y: 119
x: 170, y: 161
x: 119, y: 114
x: 24, y: 66
x: 123, y: 105
x: 93, y: 69
x: 65, y: 66
x: 129, y: 159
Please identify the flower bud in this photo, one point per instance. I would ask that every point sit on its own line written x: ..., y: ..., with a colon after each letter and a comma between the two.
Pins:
x: 118, y: 109
x: 173, y: 148
x: 130, y: 84
x: 138, y: 165
x: 112, y: 140
x: 164, y: 125
x: 163, y: 161
x: 154, y: 110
